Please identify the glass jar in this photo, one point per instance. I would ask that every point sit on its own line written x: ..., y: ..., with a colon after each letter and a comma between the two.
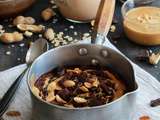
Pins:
x: 78, y: 10
x: 9, y: 8
x: 141, y: 22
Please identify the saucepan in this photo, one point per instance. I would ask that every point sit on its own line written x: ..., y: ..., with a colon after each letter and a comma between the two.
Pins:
x: 87, y: 55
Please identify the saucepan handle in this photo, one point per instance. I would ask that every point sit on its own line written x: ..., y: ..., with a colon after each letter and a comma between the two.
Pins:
x: 103, y: 20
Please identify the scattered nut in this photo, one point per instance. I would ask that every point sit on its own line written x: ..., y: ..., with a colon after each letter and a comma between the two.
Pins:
x: 60, y: 100
x: 71, y: 27
x: 23, y: 20
x: 154, y: 58
x: 88, y: 85
x: 11, y: 37
x: 80, y: 100
x: 31, y: 28
x: 13, y: 113
x: 47, y: 14
x: 84, y: 89
x: 28, y: 34
x: 92, y: 23
x: 145, y: 118
x: 69, y: 83
x: 113, y: 28
x: 49, y: 34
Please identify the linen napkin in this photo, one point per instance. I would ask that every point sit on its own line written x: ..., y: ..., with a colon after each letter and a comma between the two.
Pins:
x: 149, y: 90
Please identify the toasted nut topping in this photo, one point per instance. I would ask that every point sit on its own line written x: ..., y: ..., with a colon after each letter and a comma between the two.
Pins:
x: 31, y: 28
x: 54, y: 85
x: 11, y: 37
x: 23, y: 20
x: 60, y: 100
x: 49, y: 34
x: 95, y: 83
x: 28, y: 34
x: 50, y: 97
x: 69, y: 105
x: 47, y: 14
x: 88, y: 85
x: 92, y: 23
x: 69, y: 83
x: 35, y: 91
x: 113, y: 28
x: 154, y: 58
x: 84, y: 89
x: 80, y: 100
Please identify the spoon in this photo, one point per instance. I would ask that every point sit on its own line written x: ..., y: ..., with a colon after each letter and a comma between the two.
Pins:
x: 36, y: 49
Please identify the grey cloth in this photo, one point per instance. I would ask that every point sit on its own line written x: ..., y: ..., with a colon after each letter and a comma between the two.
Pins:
x: 149, y: 90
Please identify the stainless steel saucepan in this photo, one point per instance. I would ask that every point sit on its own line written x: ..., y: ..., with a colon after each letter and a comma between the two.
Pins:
x: 87, y: 55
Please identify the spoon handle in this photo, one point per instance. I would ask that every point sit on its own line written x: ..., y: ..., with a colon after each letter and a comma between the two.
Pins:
x: 8, y: 96
x: 103, y: 19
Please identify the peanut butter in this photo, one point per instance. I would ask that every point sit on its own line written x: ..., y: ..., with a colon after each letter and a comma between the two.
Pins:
x: 142, y: 25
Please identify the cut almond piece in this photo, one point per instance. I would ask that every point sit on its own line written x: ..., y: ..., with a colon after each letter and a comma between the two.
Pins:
x: 69, y: 83
x: 80, y: 100
x: 60, y: 100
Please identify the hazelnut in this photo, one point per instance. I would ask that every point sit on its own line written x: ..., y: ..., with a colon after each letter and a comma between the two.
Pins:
x: 47, y: 14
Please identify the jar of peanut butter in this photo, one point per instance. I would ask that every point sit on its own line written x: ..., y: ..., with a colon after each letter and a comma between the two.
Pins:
x: 78, y: 10
x: 142, y: 22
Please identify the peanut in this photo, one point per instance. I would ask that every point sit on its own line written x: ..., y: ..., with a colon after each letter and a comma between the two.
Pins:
x: 154, y: 58
x: 31, y: 28
x: 28, y: 34
x: 47, y: 14
x: 23, y: 20
x: 11, y: 37
x: 49, y: 34
x: 80, y: 100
